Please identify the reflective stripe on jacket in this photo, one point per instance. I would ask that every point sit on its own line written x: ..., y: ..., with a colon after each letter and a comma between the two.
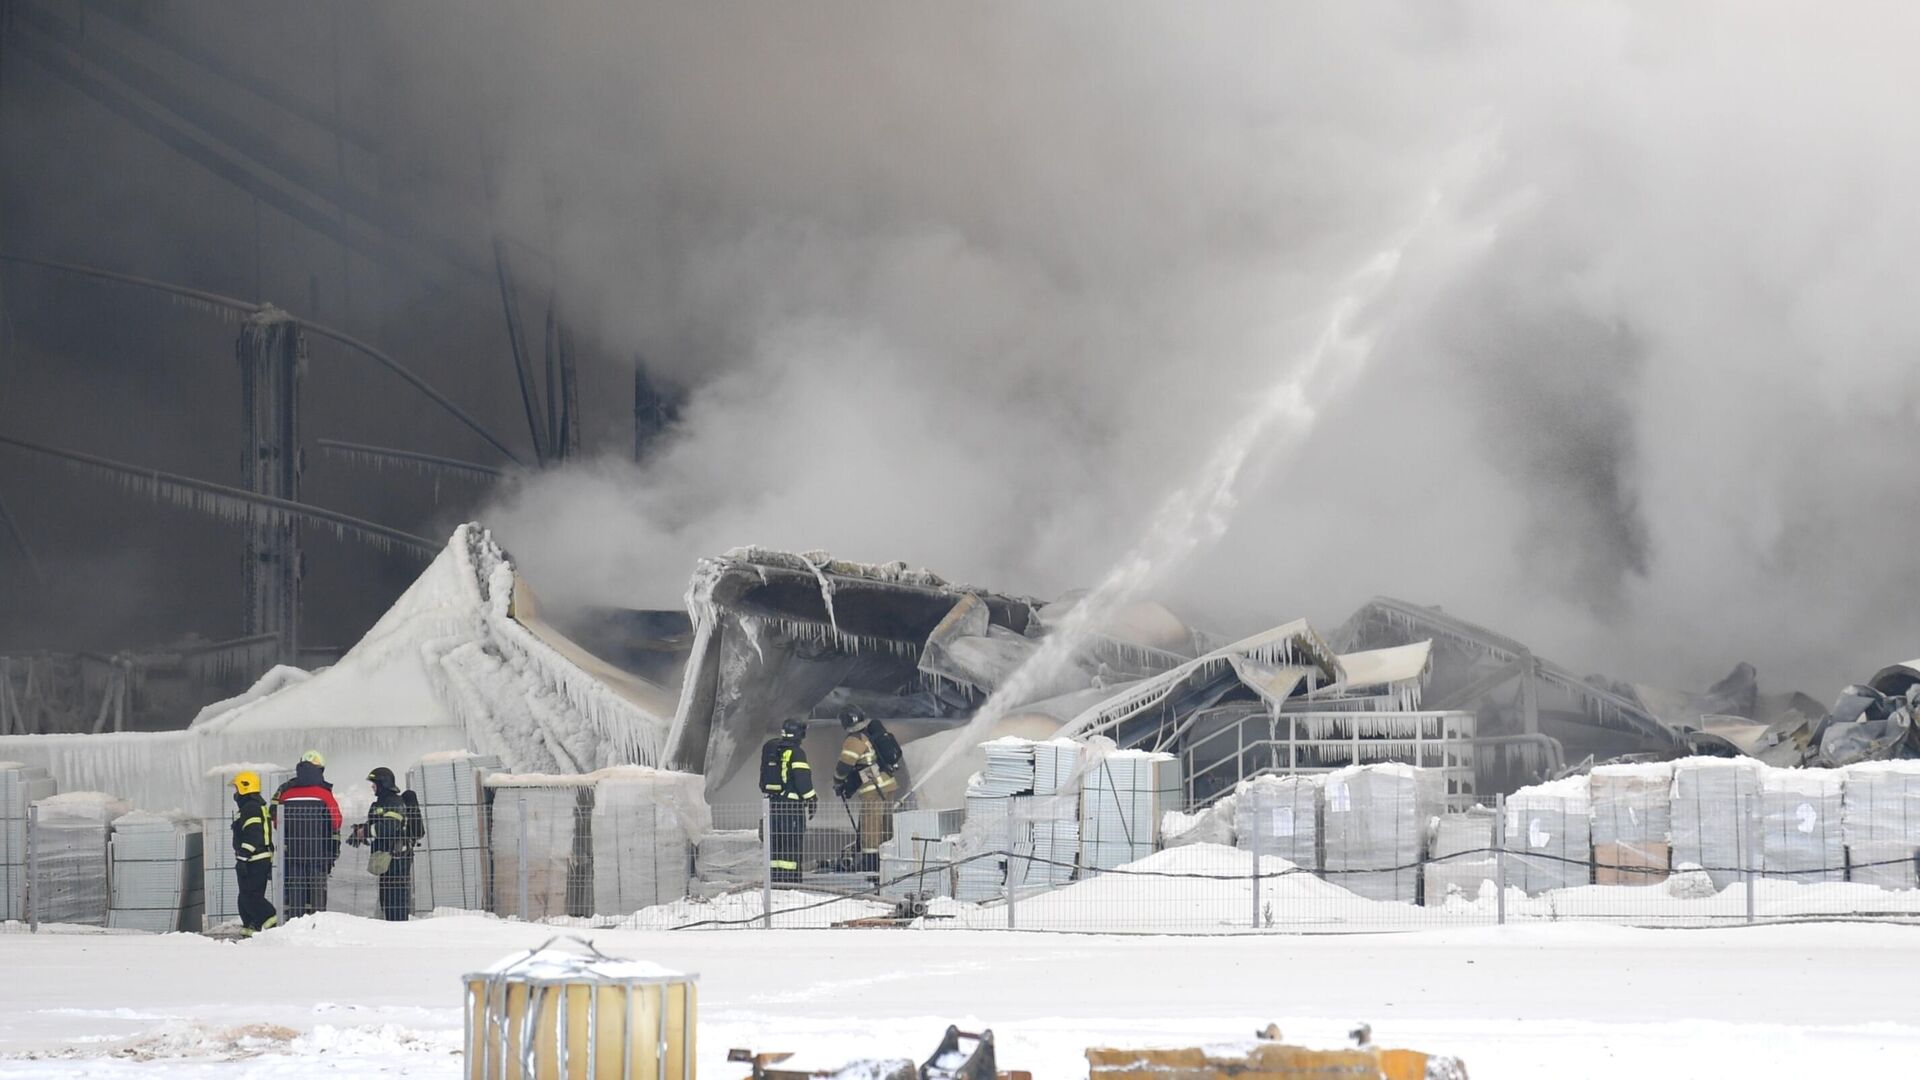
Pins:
x: 858, y: 758
x: 785, y: 772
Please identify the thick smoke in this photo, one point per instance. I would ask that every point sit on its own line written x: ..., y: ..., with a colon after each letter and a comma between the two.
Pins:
x: 975, y: 287
x: 975, y: 292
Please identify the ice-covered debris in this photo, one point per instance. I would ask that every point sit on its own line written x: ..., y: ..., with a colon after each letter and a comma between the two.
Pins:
x: 589, y: 779
x: 234, y: 768
x: 1213, y: 825
x: 442, y: 757
x: 1384, y: 768
x: 91, y: 806
x: 464, y: 647
x: 276, y: 679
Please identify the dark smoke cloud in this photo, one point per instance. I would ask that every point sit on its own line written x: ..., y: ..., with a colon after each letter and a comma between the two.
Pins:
x: 975, y: 287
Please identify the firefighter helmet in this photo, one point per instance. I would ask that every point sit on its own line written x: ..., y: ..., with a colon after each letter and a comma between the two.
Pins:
x: 246, y: 783
x: 312, y: 757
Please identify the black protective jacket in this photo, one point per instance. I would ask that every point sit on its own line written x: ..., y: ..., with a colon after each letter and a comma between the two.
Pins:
x: 785, y: 774
x: 252, y: 829
x: 393, y: 823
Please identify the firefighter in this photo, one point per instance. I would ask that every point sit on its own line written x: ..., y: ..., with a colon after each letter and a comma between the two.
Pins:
x: 309, y: 824
x: 252, y: 853
x: 393, y: 824
x: 868, y: 759
x: 787, y: 781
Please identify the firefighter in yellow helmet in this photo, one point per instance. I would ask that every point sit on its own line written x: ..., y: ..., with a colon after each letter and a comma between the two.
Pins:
x: 252, y: 853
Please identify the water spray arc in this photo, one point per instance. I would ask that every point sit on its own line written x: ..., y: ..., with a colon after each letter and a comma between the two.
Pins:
x: 1199, y: 513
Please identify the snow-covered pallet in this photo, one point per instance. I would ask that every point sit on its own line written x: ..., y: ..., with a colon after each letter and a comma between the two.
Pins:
x: 1548, y: 836
x: 1122, y: 802
x: 1715, y: 802
x: 20, y: 787
x: 70, y: 868
x: 1279, y: 815
x: 157, y: 872
x: 645, y: 824
x: 542, y: 837
x: 1374, y: 825
x: 726, y: 858
x: 1632, y: 822
x: 450, y: 862
x: 1801, y: 825
x: 1881, y: 822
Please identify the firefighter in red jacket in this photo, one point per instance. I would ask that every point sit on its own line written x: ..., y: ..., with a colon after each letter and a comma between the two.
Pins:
x: 309, y: 826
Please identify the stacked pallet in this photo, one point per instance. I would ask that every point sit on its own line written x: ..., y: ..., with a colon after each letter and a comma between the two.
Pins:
x: 645, y: 825
x: 70, y: 863
x: 1374, y: 824
x: 1881, y: 822
x: 990, y: 836
x: 1122, y: 802
x: 20, y: 787
x: 450, y: 862
x: 1632, y: 822
x: 542, y: 845
x: 1009, y: 769
x: 1460, y: 857
x: 1801, y: 825
x: 1054, y: 813
x: 916, y: 861
x: 1715, y: 803
x: 1279, y: 815
x: 726, y: 859
x: 1548, y: 836
x: 157, y: 872
x: 219, y: 889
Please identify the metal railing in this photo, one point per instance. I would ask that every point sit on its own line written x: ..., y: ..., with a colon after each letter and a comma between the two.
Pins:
x: 1329, y: 861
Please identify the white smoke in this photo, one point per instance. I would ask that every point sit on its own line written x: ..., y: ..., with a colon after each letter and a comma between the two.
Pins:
x: 976, y: 288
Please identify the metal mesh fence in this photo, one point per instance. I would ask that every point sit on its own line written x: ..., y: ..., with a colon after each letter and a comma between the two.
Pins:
x: 1693, y: 844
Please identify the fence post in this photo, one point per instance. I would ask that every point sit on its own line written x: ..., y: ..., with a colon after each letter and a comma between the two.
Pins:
x: 521, y: 860
x: 1255, y: 852
x: 1749, y: 858
x: 1012, y: 889
x: 1500, y: 858
x: 32, y: 892
x: 766, y: 863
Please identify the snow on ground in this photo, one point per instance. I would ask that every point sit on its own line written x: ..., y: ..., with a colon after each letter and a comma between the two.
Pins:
x: 336, y: 995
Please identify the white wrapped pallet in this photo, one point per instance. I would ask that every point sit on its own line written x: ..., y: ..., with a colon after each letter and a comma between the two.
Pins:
x: 1459, y: 856
x: 536, y: 820
x: 1881, y: 822
x: 1374, y: 827
x: 916, y: 862
x: 70, y: 868
x: 726, y: 858
x: 450, y: 861
x: 1632, y: 822
x: 156, y: 881
x: 1802, y: 837
x: 219, y: 890
x: 1123, y: 800
x: 1279, y: 815
x: 991, y: 833
x: 1548, y: 836
x: 1715, y: 803
x: 20, y: 787
x: 645, y: 823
